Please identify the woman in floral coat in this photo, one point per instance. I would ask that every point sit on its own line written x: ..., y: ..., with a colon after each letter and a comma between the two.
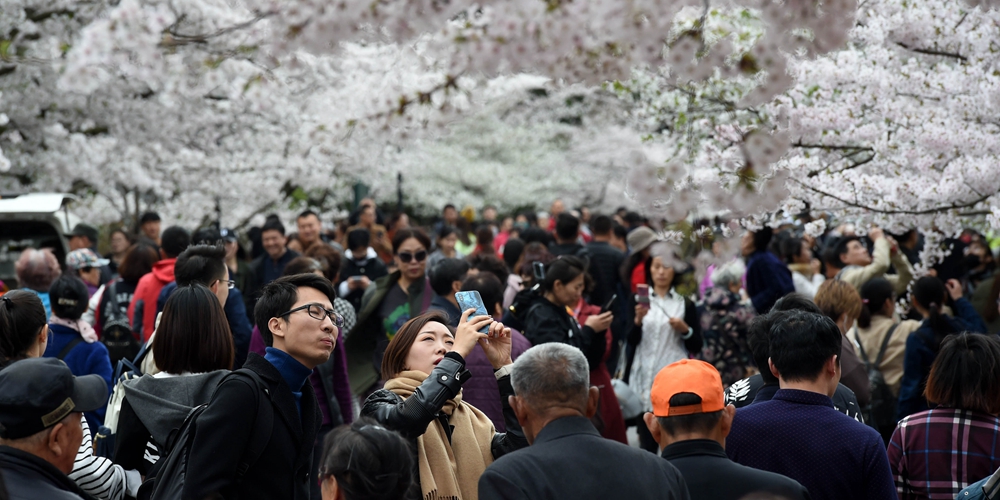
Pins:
x: 724, y: 319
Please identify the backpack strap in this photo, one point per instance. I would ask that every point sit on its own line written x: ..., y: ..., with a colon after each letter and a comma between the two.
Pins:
x: 262, y: 427
x: 885, y: 343
x: 111, y: 288
x: 69, y: 347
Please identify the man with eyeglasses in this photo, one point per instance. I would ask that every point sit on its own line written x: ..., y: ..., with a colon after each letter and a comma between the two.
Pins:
x: 205, y: 263
x: 296, y: 318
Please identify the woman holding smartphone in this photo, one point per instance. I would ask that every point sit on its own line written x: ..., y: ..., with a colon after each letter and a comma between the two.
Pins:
x: 666, y: 330
x: 424, y: 369
x: 550, y: 319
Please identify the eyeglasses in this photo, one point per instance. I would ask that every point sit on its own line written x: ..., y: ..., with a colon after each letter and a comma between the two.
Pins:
x: 406, y: 257
x: 319, y: 312
x: 230, y: 284
x: 87, y: 269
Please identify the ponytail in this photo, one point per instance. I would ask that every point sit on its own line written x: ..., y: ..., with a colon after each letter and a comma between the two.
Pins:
x: 22, y: 316
x: 874, y: 293
x: 929, y: 292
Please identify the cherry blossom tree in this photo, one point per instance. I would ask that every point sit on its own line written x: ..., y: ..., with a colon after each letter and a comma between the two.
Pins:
x: 897, y: 128
x: 194, y: 103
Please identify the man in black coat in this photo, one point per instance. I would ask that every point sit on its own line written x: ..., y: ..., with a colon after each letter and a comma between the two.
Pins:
x: 690, y: 422
x: 568, y: 458
x: 41, y: 405
x: 296, y: 318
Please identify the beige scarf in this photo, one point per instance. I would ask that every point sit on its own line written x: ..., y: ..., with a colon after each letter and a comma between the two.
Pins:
x: 450, y: 471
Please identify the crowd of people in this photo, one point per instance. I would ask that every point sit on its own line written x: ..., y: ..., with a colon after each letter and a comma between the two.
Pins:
x: 344, y: 362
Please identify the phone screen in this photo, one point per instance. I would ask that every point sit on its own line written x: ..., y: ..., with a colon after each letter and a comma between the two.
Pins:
x: 472, y: 300
x: 611, y: 303
x: 642, y: 294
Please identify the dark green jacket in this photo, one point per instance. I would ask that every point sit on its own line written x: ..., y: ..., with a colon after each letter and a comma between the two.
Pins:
x: 362, y: 341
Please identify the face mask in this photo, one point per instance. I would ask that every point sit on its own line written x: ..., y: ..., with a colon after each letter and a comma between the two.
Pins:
x: 972, y: 261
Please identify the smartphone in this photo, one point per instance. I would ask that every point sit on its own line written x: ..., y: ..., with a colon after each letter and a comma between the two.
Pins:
x: 642, y: 294
x: 539, y: 270
x: 472, y: 300
x: 611, y: 304
x: 356, y: 278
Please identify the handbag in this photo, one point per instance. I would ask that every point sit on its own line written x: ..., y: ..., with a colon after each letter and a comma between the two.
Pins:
x: 628, y: 400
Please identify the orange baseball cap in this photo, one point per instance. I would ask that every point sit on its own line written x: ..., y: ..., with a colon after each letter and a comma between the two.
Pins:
x: 691, y: 376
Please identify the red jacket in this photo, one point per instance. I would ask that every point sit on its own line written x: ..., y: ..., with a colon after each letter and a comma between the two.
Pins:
x: 147, y: 291
x: 610, y: 412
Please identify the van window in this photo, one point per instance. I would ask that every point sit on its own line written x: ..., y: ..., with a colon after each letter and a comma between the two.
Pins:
x: 15, y: 236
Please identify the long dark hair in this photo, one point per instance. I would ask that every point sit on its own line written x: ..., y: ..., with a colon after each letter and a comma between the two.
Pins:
x: 929, y: 292
x: 22, y: 317
x: 874, y: 293
x: 633, y: 259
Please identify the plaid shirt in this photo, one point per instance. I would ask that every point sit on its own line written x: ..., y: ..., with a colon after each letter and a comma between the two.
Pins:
x: 934, y: 454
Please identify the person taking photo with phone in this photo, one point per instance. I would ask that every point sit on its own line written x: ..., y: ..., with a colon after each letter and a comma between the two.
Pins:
x: 666, y: 330
x: 551, y: 319
x: 424, y: 369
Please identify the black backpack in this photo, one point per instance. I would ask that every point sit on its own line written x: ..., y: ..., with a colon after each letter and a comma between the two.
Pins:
x: 165, y: 481
x: 881, y: 410
x: 116, y: 332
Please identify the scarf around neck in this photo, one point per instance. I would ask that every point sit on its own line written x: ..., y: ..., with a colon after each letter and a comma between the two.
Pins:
x: 449, y: 470
x: 82, y: 327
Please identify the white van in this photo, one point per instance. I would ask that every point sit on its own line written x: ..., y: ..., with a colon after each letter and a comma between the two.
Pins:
x: 39, y: 220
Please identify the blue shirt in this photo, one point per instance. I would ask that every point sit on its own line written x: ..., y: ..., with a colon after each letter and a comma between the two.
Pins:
x: 800, y: 435
x: 273, y: 269
x: 84, y: 359
x: 442, y: 304
x: 768, y: 279
x: 294, y: 373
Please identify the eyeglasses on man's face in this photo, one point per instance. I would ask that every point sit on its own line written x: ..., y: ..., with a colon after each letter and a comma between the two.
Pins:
x: 318, y: 312
x: 230, y: 284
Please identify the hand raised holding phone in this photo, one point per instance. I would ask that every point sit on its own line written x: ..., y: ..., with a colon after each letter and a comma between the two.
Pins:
x: 468, y: 333
x: 497, y: 345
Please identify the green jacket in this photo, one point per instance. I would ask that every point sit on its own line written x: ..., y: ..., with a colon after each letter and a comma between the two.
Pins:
x: 362, y: 341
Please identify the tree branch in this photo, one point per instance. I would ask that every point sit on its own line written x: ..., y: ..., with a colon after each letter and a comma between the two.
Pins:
x: 927, y: 211
x: 174, y: 39
x: 933, y: 52
x: 871, y: 158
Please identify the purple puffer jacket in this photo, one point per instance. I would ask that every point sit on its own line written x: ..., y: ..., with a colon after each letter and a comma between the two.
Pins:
x: 481, y: 390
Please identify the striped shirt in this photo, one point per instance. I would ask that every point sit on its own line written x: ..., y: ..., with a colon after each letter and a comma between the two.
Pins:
x: 934, y: 454
x: 98, y: 476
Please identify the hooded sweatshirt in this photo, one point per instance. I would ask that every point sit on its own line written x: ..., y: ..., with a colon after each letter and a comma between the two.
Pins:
x: 146, y: 293
x: 154, y: 406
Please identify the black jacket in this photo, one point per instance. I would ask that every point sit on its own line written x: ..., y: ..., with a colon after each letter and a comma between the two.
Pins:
x: 372, y: 267
x: 29, y: 477
x: 547, y: 322
x: 411, y: 417
x: 223, y: 432
x: 326, y: 376
x: 570, y: 459
x: 710, y: 473
x: 753, y: 390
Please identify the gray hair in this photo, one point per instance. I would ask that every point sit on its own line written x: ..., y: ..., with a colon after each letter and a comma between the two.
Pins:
x: 729, y: 273
x: 551, y: 372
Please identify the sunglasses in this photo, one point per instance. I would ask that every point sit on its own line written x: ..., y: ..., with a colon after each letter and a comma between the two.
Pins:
x: 407, y: 257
